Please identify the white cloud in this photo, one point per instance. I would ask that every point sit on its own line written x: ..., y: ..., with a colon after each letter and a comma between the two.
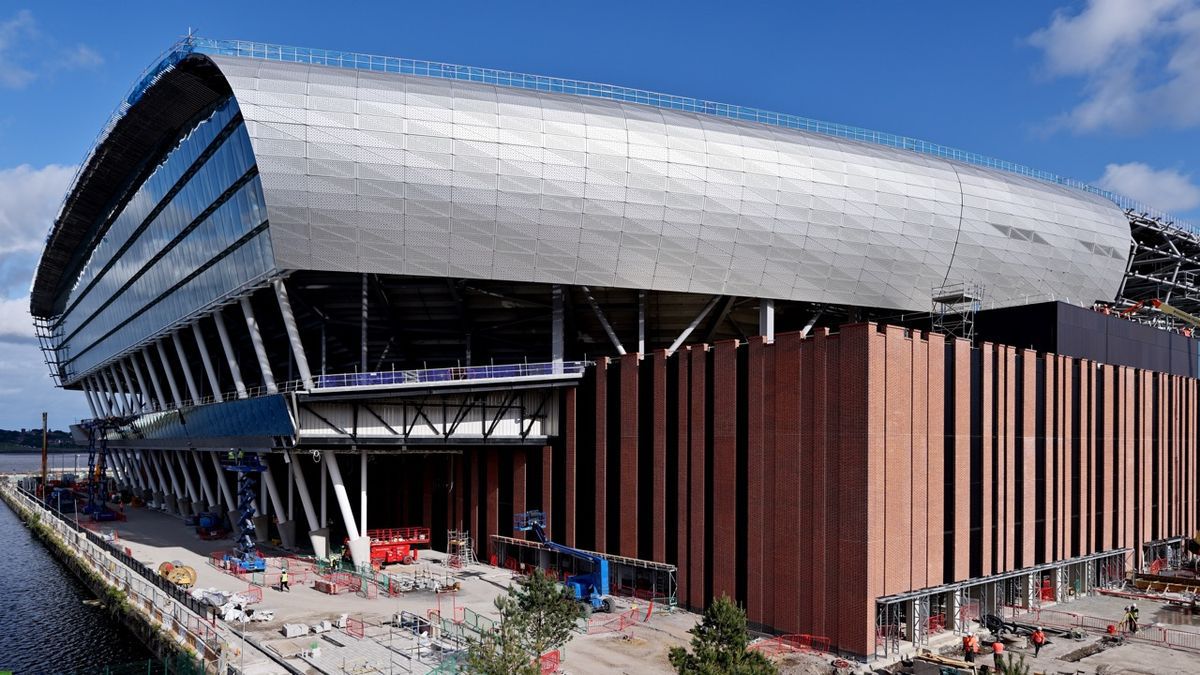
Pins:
x: 29, y: 201
x: 12, y: 33
x: 1139, y: 62
x: 1164, y: 189
x: 15, y: 322
x: 21, y: 43
x: 27, y: 390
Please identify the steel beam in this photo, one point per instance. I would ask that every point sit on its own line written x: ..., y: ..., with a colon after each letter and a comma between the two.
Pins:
x: 193, y: 390
x: 260, y: 350
x: 158, y: 390
x: 289, y: 323
x: 692, y: 326
x: 227, y: 345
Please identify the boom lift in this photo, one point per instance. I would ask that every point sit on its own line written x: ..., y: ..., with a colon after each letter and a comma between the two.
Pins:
x: 590, y: 588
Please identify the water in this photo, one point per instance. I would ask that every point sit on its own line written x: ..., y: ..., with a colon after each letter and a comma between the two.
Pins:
x: 32, y: 462
x: 44, y: 625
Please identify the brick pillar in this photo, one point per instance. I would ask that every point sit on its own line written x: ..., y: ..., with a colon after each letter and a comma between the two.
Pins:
x: 1066, y: 512
x: 725, y: 479
x: 986, y: 493
x: 658, y: 497
x: 804, y: 488
x: 682, y: 507
x: 492, y: 491
x: 1046, y: 489
x: 818, y: 494
x: 569, y: 464
x: 898, y: 462
x: 785, y: 518
x: 698, y: 492
x: 547, y: 498
x: 962, y: 461
x: 1028, y: 487
x: 758, y: 566
x: 600, y: 507
x: 921, y: 504
x: 519, y: 478
x: 935, y: 449
x: 628, y: 508
x: 1011, y: 410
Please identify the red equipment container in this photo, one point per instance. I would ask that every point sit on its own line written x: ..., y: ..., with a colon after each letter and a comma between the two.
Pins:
x: 396, y: 544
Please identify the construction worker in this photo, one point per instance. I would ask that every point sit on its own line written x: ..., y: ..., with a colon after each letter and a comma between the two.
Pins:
x: 998, y: 654
x: 970, y: 647
x: 1133, y: 618
x: 1126, y: 620
x: 283, y: 582
x: 1038, y: 639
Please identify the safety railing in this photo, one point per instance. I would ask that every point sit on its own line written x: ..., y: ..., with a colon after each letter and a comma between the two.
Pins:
x: 390, y: 378
x: 794, y: 643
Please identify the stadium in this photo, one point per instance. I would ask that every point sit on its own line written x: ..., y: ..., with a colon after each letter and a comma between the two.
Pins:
x: 868, y: 386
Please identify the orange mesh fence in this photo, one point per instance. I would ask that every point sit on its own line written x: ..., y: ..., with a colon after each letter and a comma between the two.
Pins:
x: 548, y: 663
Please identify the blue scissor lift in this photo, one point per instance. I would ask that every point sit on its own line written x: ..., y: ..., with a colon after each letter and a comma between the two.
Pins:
x: 247, y: 466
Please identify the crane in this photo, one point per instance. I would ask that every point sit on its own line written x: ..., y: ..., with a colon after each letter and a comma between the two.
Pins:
x: 590, y: 588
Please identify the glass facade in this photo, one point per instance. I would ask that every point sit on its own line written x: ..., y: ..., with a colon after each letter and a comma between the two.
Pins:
x: 193, y: 232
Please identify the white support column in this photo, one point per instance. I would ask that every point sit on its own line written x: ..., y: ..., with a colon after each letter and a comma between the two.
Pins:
x: 264, y: 363
x: 118, y: 468
x: 147, y: 403
x: 230, y: 504
x: 324, y: 498
x: 362, y: 497
x: 318, y: 535
x: 177, y: 494
x: 766, y: 319
x: 360, y: 548
x: 287, y: 529
x: 208, y: 366
x: 83, y: 384
x: 119, y: 402
x: 193, y: 390
x: 158, y: 390
x: 193, y: 493
x: 238, y: 383
x: 210, y: 498
x: 135, y: 402
x: 135, y: 468
x: 692, y: 326
x: 102, y: 396
x: 289, y: 322
x: 166, y: 364
x: 556, y: 328
x: 156, y: 475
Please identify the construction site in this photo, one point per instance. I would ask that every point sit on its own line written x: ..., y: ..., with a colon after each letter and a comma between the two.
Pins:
x: 465, y: 323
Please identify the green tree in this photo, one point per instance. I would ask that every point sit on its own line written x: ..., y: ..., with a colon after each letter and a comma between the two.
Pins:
x: 1009, y: 665
x: 719, y: 644
x: 536, y: 616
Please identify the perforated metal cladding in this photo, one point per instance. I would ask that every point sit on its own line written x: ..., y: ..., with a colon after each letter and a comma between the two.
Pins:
x: 395, y: 174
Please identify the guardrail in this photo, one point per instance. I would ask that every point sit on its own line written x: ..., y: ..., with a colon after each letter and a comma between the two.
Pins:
x: 178, y: 613
x: 448, y: 375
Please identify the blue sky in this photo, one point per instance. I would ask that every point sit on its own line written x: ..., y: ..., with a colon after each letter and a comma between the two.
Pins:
x: 1106, y: 91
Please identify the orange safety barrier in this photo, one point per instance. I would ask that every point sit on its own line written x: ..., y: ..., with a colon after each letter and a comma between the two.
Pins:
x: 792, y: 643
x: 334, y: 583
x: 936, y: 623
x: 604, y: 623
x: 1158, y: 565
x: 549, y: 662
x: 355, y: 628
x: 253, y: 594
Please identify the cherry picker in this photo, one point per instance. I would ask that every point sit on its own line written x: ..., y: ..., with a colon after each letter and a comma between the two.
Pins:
x: 590, y: 588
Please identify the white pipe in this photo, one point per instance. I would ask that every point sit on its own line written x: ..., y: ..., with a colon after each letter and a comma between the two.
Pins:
x: 119, y: 402
x: 175, y: 489
x: 102, y: 396
x: 152, y: 468
x: 193, y: 493
x: 692, y: 326
x: 305, y: 498
x: 339, y: 491
x: 608, y: 329
x: 193, y: 390
x: 227, y: 345
x: 135, y: 403
x: 158, y: 390
x: 166, y: 364
x: 204, y: 482
x: 264, y: 364
x: 208, y: 366
x: 362, y: 497
x: 230, y: 504
x: 289, y: 322
x: 272, y: 490
x: 90, y: 401
x: 136, y: 468
x: 766, y: 319
x: 147, y: 403
x: 324, y: 499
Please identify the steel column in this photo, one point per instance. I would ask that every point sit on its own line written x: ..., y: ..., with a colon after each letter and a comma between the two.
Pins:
x: 230, y: 503
x: 90, y: 401
x: 766, y: 319
x: 147, y: 403
x: 359, y: 549
x: 362, y: 514
x: 135, y: 403
x: 305, y: 498
x: 692, y: 326
x: 101, y: 396
x: 608, y: 329
x: 238, y: 383
x: 556, y: 328
x: 264, y: 363
x: 162, y: 356
x: 208, y: 366
x: 120, y: 403
x: 289, y: 323
x: 209, y: 496
x: 158, y: 391
x: 193, y: 493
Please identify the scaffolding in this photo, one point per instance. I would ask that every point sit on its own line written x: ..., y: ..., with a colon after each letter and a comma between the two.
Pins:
x: 954, y: 308
x: 914, y: 617
x: 460, y: 549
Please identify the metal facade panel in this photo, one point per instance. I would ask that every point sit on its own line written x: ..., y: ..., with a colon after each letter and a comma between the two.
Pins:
x: 659, y: 199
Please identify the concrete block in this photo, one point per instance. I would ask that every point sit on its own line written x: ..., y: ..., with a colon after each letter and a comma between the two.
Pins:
x: 171, y: 502
x: 261, y: 528
x: 287, y: 534
x: 320, y: 542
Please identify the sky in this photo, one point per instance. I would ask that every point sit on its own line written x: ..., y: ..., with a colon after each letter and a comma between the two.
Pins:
x: 1105, y: 91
